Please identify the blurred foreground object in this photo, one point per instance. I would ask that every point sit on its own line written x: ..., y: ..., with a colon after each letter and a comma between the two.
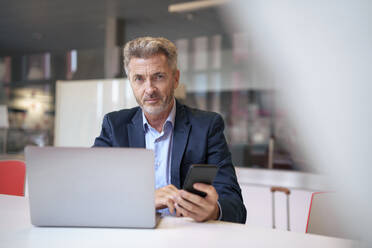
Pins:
x: 319, y: 55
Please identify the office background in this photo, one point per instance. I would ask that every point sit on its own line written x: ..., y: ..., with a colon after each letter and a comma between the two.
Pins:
x: 46, y: 41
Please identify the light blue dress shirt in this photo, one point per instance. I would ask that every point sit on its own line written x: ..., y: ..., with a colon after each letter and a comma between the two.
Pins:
x: 161, y: 144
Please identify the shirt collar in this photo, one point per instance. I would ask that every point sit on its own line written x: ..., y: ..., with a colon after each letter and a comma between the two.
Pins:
x: 170, y: 119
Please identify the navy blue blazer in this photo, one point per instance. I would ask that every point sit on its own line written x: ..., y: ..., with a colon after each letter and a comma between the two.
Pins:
x: 197, y: 139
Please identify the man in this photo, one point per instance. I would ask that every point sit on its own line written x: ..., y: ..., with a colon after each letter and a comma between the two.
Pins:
x: 180, y: 136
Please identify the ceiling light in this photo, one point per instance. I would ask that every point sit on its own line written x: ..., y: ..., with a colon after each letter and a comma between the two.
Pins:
x: 196, y: 5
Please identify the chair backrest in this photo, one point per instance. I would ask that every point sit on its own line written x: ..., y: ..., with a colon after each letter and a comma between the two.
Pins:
x: 324, y: 215
x: 12, y: 177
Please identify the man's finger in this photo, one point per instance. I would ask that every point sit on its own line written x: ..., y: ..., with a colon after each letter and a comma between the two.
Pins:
x: 170, y: 204
x: 206, y: 188
x: 178, y: 212
x: 186, y: 213
x: 193, y: 198
x: 170, y: 189
x: 163, y: 194
x: 187, y: 205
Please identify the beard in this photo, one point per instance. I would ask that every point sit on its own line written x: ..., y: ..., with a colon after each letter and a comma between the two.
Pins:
x: 158, y: 108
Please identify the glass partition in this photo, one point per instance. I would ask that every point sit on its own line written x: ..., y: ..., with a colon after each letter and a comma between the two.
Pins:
x: 221, y: 76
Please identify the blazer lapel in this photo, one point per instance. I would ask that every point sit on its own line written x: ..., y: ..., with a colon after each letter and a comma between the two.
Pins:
x: 136, y: 135
x: 180, y: 138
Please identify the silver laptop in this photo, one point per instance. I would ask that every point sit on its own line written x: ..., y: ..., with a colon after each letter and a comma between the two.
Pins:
x: 91, y: 187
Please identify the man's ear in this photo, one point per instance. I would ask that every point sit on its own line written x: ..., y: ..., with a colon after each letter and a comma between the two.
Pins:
x: 176, y: 78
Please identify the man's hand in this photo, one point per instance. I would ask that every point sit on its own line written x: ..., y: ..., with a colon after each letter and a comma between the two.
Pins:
x: 198, y: 208
x: 164, y: 197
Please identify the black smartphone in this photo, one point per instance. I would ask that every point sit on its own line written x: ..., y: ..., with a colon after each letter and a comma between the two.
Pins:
x: 199, y: 173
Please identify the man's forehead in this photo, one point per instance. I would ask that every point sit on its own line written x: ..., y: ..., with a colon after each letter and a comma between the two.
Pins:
x: 153, y: 64
x: 158, y: 59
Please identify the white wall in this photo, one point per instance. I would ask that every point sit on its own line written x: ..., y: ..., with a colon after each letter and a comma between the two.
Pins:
x: 81, y: 105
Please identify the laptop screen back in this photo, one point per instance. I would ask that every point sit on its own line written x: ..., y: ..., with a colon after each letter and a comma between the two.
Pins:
x: 93, y: 187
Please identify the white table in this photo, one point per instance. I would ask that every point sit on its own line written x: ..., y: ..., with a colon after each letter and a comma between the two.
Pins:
x: 283, y: 178
x: 16, y: 231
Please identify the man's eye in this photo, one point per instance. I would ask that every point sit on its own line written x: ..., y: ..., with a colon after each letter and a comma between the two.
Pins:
x: 138, y: 78
x: 159, y: 76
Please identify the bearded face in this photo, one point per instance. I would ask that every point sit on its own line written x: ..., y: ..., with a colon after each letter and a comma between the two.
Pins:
x: 153, y: 83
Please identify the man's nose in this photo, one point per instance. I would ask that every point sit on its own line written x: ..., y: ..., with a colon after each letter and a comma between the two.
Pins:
x: 149, y: 87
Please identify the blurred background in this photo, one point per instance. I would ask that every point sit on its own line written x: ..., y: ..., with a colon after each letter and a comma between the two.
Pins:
x: 42, y: 42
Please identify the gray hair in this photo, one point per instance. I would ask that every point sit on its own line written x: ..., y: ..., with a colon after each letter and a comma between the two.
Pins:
x: 145, y: 47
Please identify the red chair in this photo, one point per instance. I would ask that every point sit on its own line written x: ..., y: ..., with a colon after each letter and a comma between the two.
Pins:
x: 12, y: 177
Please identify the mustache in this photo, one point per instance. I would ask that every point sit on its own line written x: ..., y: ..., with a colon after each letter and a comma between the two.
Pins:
x: 151, y: 97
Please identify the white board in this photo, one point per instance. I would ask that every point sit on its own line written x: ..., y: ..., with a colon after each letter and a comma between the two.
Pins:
x: 81, y: 105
